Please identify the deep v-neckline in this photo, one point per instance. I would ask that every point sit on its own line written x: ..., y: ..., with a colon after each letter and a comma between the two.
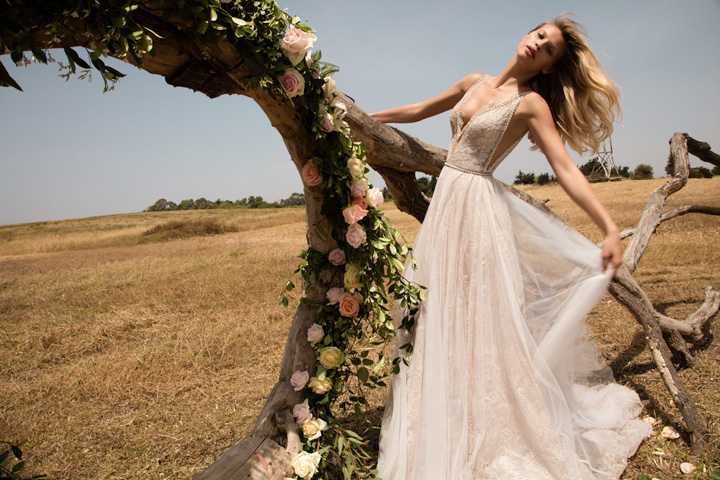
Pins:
x: 460, y: 122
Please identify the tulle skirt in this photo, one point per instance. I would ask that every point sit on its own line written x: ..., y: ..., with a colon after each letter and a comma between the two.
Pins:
x: 502, y: 382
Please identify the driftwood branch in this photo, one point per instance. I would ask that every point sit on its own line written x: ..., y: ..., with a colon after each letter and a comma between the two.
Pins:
x: 705, y: 209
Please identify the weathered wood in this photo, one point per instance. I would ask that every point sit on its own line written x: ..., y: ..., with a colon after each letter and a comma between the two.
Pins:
x: 705, y: 209
x: 252, y: 458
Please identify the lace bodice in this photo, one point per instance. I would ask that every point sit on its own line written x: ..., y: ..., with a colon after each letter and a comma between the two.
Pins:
x: 473, y: 144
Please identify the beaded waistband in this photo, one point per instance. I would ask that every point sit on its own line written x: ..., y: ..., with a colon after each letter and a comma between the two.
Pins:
x: 474, y: 172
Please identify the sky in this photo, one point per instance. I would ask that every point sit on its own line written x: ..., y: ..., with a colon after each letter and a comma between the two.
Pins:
x: 68, y: 150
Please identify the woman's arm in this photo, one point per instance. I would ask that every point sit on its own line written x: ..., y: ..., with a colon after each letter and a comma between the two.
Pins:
x: 430, y: 107
x: 541, y: 126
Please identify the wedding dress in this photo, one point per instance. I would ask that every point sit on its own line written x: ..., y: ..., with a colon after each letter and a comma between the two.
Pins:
x: 502, y: 382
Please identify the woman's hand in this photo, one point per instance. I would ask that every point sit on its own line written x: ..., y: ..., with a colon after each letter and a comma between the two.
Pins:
x: 611, y: 252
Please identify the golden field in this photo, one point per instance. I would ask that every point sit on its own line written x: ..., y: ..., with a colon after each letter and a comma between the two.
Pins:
x: 129, y: 359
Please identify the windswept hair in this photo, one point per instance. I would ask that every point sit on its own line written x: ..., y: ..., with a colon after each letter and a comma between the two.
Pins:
x: 584, y: 102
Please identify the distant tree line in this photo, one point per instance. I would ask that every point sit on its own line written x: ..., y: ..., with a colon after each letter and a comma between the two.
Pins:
x: 163, y: 205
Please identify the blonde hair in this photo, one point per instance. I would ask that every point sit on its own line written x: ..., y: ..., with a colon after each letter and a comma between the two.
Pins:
x: 584, y: 102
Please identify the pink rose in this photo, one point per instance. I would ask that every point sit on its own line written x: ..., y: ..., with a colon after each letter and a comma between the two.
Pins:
x: 326, y: 122
x: 333, y: 295
x: 355, y: 167
x: 293, y: 82
x: 374, y: 197
x: 296, y: 43
x: 337, y: 257
x: 355, y: 235
x: 354, y: 213
x: 315, y: 334
x: 298, y: 380
x: 301, y: 412
x: 311, y: 174
x: 349, y: 306
x: 358, y: 188
x: 360, y: 202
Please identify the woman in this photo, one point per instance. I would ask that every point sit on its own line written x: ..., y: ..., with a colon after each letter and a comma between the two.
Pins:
x: 502, y: 382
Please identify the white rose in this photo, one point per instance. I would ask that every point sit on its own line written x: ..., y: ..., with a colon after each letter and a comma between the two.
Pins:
x: 305, y: 464
x: 359, y: 187
x: 315, y: 334
x: 356, y: 167
x: 299, y: 379
x: 320, y: 387
x: 374, y: 197
x: 301, y: 412
x: 312, y: 429
x: 339, y: 109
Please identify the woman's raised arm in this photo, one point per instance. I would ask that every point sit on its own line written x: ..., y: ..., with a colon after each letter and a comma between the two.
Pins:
x: 430, y: 107
x: 541, y: 126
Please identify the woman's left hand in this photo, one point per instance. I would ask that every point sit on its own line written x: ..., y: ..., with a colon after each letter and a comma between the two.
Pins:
x: 612, y: 252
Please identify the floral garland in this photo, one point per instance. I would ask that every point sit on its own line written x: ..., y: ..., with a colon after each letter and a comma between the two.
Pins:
x: 370, y: 255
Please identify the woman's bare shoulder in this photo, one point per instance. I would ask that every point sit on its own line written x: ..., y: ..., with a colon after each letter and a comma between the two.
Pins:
x: 469, y: 80
x: 533, y: 105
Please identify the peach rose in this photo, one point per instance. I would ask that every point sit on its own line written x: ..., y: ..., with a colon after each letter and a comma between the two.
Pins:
x: 311, y: 174
x: 329, y: 357
x: 301, y: 412
x: 315, y: 334
x: 355, y: 235
x: 293, y: 82
x: 312, y: 429
x: 305, y: 464
x: 360, y: 202
x: 354, y: 213
x: 358, y: 188
x: 333, y: 295
x: 298, y: 380
x: 337, y: 257
x: 356, y: 167
x: 349, y: 305
x: 352, y: 277
x: 320, y: 387
x: 296, y: 43
x: 374, y: 197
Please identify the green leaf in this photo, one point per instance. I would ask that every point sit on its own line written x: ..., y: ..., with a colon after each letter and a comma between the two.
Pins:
x: 39, y: 54
x: 16, y: 451
x: 715, y: 475
x: 6, y: 79
x: 213, y: 15
x: 238, y: 22
x: 17, y: 467
x: 3, y: 456
x: 363, y: 374
x: 643, y: 477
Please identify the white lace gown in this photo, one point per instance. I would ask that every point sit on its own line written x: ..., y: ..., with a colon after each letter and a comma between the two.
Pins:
x: 502, y: 383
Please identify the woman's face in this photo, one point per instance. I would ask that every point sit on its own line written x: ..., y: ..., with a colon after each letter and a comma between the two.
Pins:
x: 542, y: 47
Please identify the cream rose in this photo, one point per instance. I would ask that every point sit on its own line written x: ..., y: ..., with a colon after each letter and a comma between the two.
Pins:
x: 320, y: 387
x: 355, y: 235
x: 374, y: 197
x: 333, y: 295
x: 358, y: 188
x: 315, y: 334
x: 354, y: 213
x: 337, y: 257
x: 329, y: 88
x: 298, y: 380
x: 312, y: 429
x: 311, y: 174
x: 329, y: 357
x: 352, y: 278
x: 340, y: 110
x: 296, y: 44
x: 305, y: 464
x: 349, y: 305
x: 293, y: 82
x: 356, y: 167
x: 301, y: 412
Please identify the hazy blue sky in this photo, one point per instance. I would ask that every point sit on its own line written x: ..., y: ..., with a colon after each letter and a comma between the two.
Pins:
x: 67, y: 150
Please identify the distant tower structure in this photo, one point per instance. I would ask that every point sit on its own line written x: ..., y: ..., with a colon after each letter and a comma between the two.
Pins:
x: 605, y: 157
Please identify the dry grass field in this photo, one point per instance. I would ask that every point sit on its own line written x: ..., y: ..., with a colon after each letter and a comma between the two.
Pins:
x: 129, y: 359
